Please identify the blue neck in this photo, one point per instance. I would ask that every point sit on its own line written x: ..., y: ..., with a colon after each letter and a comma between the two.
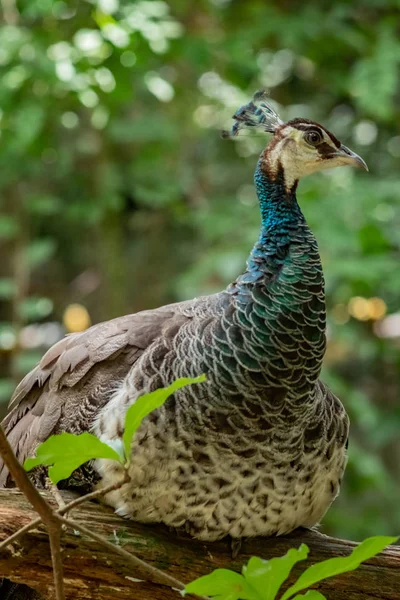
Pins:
x: 279, y: 299
x: 280, y: 212
x: 282, y: 223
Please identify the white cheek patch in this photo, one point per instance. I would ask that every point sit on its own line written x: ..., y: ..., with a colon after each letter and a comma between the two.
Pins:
x: 286, y: 153
x: 275, y: 156
x: 297, y: 159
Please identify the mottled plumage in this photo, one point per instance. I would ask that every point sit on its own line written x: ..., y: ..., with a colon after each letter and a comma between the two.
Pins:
x: 258, y: 449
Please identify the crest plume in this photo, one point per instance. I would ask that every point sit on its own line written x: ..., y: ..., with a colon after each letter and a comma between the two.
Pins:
x: 257, y: 113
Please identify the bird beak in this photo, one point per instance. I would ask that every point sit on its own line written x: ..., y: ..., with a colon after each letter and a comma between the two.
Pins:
x: 351, y: 158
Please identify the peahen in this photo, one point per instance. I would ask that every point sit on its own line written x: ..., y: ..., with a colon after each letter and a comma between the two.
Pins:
x: 258, y: 449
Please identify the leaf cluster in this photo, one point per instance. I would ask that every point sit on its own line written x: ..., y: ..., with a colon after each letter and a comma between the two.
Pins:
x: 263, y: 579
x: 65, y: 452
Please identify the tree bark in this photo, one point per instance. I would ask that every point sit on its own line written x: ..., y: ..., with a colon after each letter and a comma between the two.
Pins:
x: 94, y: 573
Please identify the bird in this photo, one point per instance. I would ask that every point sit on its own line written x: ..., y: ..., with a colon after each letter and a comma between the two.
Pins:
x: 260, y: 447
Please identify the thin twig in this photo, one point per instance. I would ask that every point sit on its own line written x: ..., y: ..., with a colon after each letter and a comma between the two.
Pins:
x: 131, y: 558
x: 50, y: 519
x: 55, y: 492
x: 54, y: 519
x: 62, y: 511
x: 162, y: 577
x: 15, y: 536
x: 54, y: 531
x: 96, y: 494
x: 22, y: 480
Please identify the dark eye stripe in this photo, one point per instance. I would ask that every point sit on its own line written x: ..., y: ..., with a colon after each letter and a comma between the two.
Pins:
x: 333, y: 138
x: 325, y: 150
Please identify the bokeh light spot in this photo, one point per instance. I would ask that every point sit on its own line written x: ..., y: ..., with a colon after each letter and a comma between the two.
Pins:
x: 76, y: 318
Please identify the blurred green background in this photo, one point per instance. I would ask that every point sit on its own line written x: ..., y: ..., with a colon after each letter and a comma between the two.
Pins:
x: 117, y: 192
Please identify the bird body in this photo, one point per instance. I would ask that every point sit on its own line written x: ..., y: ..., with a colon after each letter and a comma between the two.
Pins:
x: 257, y: 449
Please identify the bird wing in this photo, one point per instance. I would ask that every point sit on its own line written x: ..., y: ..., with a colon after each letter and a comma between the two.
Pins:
x: 77, y: 375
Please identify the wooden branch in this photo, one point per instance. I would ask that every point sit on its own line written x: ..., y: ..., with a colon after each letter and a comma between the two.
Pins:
x: 65, y: 508
x: 94, y: 573
x: 44, y: 509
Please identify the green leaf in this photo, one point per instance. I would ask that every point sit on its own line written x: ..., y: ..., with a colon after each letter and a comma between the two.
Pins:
x: 224, y: 585
x: 145, y: 404
x: 7, y: 386
x: 267, y: 576
x: 9, y: 227
x: 336, y: 566
x: 28, y: 121
x: 26, y: 360
x: 66, y: 452
x: 40, y: 251
x: 43, y: 204
x: 310, y: 595
x: 32, y: 308
x: 378, y: 101
x: 7, y: 288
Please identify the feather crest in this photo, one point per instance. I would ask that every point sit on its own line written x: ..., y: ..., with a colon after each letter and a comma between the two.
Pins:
x: 257, y: 113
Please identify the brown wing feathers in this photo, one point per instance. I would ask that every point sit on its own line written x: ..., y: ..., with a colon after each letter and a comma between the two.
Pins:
x: 76, y: 377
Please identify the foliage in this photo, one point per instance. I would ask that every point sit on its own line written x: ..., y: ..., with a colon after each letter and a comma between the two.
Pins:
x: 66, y: 451
x: 145, y: 404
x: 262, y: 579
x: 117, y: 193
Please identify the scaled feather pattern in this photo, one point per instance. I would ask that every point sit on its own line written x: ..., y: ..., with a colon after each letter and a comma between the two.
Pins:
x: 258, y: 449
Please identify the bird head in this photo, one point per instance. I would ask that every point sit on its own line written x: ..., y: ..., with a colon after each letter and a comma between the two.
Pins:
x: 298, y: 148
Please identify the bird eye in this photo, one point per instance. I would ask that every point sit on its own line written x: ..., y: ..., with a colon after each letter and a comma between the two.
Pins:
x: 313, y: 138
